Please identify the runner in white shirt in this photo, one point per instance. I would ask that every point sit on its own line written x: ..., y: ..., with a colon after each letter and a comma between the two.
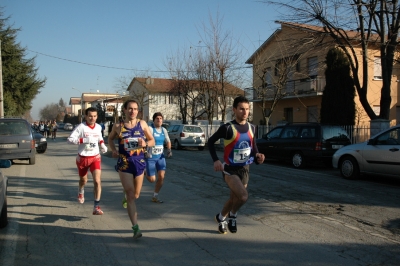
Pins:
x: 88, y: 136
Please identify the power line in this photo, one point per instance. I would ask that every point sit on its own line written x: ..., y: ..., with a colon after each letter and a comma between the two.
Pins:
x: 111, y: 67
x: 89, y: 64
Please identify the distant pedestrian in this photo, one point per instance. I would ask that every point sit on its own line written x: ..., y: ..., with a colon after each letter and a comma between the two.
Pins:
x: 240, y: 150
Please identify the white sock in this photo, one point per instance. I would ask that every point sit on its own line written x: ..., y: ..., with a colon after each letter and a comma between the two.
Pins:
x: 81, y: 191
x: 220, y: 217
x: 155, y: 195
x: 232, y: 214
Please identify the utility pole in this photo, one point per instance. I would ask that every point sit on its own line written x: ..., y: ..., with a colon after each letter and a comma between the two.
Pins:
x: 1, y: 87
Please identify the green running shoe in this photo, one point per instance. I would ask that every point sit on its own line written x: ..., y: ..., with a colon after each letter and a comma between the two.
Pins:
x: 124, y: 202
x: 136, y: 231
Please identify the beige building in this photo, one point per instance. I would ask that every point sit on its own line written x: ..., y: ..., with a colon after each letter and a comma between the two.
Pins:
x: 156, y: 95
x: 110, y: 101
x: 293, y: 59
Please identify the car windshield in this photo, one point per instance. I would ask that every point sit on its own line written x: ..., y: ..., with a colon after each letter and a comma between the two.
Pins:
x: 334, y: 132
x: 192, y: 129
x: 13, y: 128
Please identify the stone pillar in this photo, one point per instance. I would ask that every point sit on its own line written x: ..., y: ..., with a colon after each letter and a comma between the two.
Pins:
x: 377, y: 126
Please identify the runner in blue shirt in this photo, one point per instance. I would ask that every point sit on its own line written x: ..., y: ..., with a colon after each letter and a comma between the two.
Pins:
x: 155, y: 163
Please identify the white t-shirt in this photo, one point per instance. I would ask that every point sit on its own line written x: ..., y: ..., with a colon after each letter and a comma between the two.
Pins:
x: 83, y: 131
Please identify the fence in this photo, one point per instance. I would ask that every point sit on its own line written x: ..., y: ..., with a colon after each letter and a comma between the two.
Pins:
x: 357, y: 134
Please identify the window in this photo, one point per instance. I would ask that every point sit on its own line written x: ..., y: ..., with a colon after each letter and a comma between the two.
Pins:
x: 376, y: 109
x: 312, y: 113
x: 288, y: 113
x: 377, y: 67
x: 268, y: 77
x: 313, y: 66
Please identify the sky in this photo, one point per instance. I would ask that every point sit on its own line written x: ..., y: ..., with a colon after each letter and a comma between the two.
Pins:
x: 88, y: 45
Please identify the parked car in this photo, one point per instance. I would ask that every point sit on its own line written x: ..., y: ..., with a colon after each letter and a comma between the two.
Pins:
x: 186, y: 136
x: 68, y: 126
x: 16, y: 140
x: 379, y: 155
x: 303, y: 143
x: 60, y: 125
x: 3, y: 193
x: 40, y: 141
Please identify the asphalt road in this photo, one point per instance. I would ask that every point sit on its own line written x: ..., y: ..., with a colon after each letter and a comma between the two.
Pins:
x: 292, y: 217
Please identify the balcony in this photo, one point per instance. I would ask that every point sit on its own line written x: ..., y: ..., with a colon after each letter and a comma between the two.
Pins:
x: 297, y: 88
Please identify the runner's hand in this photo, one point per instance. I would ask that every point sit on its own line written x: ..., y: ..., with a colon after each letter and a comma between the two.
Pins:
x: 218, y: 166
x: 169, y: 153
x: 103, y: 148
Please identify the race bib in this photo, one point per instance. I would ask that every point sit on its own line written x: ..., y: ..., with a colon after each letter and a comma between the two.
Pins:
x: 157, y: 150
x: 90, y: 146
x: 131, y: 144
x: 241, y: 155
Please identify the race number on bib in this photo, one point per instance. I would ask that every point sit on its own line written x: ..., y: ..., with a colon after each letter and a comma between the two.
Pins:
x: 131, y: 144
x: 241, y: 155
x: 157, y: 150
x: 90, y: 146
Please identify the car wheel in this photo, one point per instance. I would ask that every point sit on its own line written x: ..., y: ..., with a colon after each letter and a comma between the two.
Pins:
x: 201, y: 148
x: 3, y: 217
x: 349, y: 168
x: 41, y: 151
x: 32, y: 160
x: 176, y: 145
x: 298, y: 160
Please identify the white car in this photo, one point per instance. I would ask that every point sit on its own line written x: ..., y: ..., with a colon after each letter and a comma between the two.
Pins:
x: 68, y: 126
x: 379, y: 155
x: 3, y: 193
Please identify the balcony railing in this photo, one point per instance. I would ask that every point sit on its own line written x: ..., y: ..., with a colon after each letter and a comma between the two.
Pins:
x: 296, y: 88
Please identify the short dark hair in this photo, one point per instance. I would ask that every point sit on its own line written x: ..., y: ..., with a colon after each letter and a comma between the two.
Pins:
x: 90, y: 109
x: 157, y: 114
x: 240, y: 99
x: 128, y: 102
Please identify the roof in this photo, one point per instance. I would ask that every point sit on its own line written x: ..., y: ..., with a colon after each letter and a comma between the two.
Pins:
x: 351, y: 34
x: 154, y: 85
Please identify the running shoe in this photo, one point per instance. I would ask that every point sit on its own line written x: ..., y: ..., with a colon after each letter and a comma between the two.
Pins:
x: 232, y: 224
x: 136, y: 232
x: 97, y: 211
x: 156, y: 200
x: 124, y: 202
x: 81, y: 198
x: 221, y: 225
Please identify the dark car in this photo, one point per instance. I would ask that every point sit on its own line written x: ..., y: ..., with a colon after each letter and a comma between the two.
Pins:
x: 3, y: 193
x: 303, y: 143
x: 40, y: 141
x: 16, y: 140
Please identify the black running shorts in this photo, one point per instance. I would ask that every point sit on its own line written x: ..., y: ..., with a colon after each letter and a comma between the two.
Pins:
x: 241, y: 171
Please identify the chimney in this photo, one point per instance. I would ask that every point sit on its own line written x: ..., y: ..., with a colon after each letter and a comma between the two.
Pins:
x: 149, y: 80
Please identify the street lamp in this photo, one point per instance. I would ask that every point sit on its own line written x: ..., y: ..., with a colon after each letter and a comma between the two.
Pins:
x: 81, y: 116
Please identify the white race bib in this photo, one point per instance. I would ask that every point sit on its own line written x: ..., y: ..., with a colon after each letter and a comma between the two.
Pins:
x: 131, y: 144
x: 90, y: 146
x: 157, y: 150
x: 241, y: 155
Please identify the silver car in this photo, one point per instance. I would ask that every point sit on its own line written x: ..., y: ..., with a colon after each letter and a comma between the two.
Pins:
x: 3, y: 193
x: 68, y: 126
x: 186, y: 136
x: 378, y: 155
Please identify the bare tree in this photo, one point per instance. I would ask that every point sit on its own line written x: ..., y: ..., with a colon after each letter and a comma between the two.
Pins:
x: 354, y: 24
x: 122, y: 84
x: 49, y: 112
x: 221, y: 67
